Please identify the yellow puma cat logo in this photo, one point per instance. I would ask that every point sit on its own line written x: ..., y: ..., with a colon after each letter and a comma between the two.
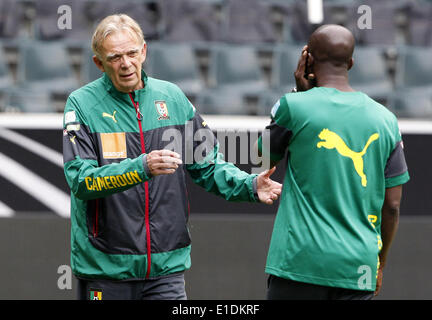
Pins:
x: 104, y: 114
x: 72, y: 139
x: 333, y: 141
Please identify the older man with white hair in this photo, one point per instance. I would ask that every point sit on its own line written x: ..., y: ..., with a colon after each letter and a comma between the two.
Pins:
x: 129, y: 203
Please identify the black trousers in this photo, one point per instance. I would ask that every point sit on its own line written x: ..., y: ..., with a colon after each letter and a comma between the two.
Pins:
x: 170, y: 287
x: 284, y: 289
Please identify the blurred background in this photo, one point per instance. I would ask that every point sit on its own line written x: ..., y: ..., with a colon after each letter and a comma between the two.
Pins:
x: 233, y: 59
x: 246, y: 49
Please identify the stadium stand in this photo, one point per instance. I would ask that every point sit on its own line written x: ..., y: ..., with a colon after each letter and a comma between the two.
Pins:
x: 162, y: 62
x: 89, y: 71
x: 413, y: 71
x: 145, y: 12
x: 284, y: 62
x: 36, y: 72
x: 6, y: 79
x: 233, y: 56
x: 284, y: 58
x: 248, y: 21
x: 374, y: 80
x: 11, y: 15
x: 29, y: 100
x: 388, y: 23
x: 235, y: 77
x: 190, y: 20
x: 46, y: 21
x: 419, y: 23
x: 402, y: 103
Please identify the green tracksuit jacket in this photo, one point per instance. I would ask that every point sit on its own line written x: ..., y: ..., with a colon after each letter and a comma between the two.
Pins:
x: 126, y: 224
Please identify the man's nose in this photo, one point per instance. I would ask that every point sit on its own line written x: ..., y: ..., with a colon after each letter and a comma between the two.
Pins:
x: 125, y: 62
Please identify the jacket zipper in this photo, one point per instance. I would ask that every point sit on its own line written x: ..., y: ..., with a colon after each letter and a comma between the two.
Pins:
x: 95, y: 222
x: 146, y: 188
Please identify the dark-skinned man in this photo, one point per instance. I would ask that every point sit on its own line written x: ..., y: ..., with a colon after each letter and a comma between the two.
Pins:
x: 339, y: 207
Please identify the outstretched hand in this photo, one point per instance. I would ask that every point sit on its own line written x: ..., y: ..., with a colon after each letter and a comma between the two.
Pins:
x: 267, y: 189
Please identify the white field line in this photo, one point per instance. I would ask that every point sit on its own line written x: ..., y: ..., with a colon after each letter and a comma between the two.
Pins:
x: 52, y: 197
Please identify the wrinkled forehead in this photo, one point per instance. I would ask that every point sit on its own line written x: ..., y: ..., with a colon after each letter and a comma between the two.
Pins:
x: 121, y: 42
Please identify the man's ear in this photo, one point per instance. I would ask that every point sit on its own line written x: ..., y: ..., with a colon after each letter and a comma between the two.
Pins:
x: 144, y: 52
x: 98, y: 63
x: 350, y: 63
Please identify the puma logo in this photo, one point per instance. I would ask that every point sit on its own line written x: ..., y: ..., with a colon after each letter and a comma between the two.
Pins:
x: 104, y: 114
x: 72, y: 139
x: 333, y: 141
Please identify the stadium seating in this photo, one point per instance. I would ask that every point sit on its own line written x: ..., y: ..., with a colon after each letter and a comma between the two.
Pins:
x: 297, y: 28
x: 284, y: 63
x: 248, y: 21
x: 11, y: 17
x: 235, y: 76
x: 45, y: 67
x: 47, y: 19
x: 386, y: 20
x: 175, y: 62
x: 25, y: 100
x: 411, y: 103
x: 190, y: 20
x: 89, y: 70
x: 6, y: 80
x: 221, y: 102
x: 236, y: 68
x: 210, y: 48
x: 420, y: 23
x: 413, y: 69
x: 285, y: 60
x: 143, y: 11
x: 369, y: 73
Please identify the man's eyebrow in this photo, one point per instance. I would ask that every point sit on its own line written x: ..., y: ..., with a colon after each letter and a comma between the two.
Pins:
x: 115, y: 55
x: 112, y: 55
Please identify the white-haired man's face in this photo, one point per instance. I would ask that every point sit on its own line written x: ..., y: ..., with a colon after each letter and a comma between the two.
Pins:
x: 122, y: 56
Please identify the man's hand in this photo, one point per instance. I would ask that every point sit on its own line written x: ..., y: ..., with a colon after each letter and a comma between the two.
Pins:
x: 379, y: 281
x: 268, y: 190
x: 302, y: 83
x: 163, y: 162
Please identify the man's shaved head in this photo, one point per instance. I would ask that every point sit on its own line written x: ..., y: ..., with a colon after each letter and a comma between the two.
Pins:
x: 332, y: 44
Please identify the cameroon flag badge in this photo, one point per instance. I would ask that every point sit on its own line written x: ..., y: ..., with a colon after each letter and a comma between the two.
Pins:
x: 95, y: 295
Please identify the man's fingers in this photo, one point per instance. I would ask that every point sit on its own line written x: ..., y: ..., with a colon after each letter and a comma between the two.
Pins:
x: 164, y: 171
x: 301, y: 65
x: 164, y: 165
x: 163, y: 162
x: 269, y: 172
x: 169, y: 153
x: 170, y: 159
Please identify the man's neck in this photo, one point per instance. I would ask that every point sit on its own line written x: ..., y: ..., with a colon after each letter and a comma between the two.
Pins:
x: 339, y: 82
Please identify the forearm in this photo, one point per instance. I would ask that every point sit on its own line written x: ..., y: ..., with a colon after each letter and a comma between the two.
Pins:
x: 223, y: 178
x: 389, y: 226
x: 88, y: 181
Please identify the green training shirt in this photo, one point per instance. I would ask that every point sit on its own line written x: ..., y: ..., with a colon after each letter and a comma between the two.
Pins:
x: 344, y: 150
